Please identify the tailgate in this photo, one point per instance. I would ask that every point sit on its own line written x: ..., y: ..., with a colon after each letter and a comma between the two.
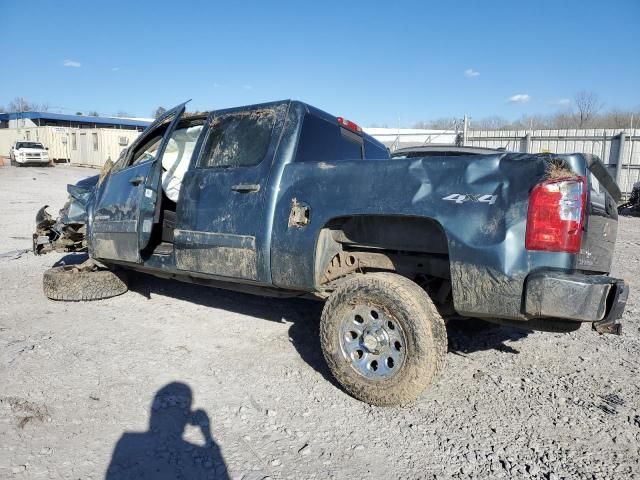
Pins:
x: 601, y: 225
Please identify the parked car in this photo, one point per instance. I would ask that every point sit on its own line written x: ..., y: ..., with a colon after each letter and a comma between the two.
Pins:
x: 285, y: 199
x: 25, y: 152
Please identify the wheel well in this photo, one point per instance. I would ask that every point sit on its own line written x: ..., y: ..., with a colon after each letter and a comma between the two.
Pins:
x: 410, y: 246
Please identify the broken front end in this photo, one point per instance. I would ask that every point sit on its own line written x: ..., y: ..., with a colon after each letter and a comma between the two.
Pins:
x: 67, y: 233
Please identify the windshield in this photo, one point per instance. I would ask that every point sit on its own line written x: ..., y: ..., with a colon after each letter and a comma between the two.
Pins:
x: 28, y: 145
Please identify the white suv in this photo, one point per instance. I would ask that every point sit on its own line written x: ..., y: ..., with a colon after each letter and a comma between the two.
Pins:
x: 23, y: 152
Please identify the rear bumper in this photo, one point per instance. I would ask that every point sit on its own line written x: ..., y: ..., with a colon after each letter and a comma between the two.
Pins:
x: 573, y: 296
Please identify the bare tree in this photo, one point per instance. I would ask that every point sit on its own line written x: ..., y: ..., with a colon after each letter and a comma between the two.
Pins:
x: 491, y: 123
x: 563, y: 120
x: 588, y: 105
x: 19, y: 104
x: 447, y: 123
x: 93, y: 113
x: 586, y: 111
x: 158, y: 112
x: 616, y: 119
x: 122, y: 113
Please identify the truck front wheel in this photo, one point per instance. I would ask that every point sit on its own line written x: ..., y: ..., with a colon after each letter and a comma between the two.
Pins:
x: 382, y: 338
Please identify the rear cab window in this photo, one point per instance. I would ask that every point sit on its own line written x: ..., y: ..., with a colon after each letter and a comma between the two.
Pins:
x: 374, y: 150
x: 324, y: 141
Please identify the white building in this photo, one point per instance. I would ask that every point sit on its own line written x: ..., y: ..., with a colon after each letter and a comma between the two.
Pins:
x: 79, y: 139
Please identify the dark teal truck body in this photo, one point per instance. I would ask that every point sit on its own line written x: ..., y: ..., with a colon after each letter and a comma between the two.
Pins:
x: 283, y: 198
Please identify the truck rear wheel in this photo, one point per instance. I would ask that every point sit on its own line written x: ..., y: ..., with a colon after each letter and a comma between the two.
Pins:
x: 382, y: 338
x: 73, y: 284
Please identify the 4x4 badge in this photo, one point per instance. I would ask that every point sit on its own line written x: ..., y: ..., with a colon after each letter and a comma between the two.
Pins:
x: 471, y: 197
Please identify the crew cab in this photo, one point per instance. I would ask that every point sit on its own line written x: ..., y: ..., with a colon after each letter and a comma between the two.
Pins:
x: 25, y: 152
x: 285, y: 199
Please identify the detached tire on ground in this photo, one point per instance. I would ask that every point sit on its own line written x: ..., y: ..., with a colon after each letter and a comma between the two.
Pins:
x: 69, y: 284
x: 383, y: 339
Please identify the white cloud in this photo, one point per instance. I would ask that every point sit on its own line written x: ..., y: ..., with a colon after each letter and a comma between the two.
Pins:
x: 470, y: 72
x: 562, y: 102
x: 519, y: 98
x: 115, y: 69
x: 247, y: 87
x: 71, y: 63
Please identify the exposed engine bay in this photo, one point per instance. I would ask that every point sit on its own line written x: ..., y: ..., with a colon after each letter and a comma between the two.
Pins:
x: 67, y: 233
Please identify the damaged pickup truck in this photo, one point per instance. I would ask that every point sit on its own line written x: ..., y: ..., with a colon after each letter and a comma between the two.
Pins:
x: 285, y: 199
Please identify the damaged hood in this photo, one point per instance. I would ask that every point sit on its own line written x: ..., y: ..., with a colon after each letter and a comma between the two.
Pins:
x: 75, y: 210
x: 67, y: 232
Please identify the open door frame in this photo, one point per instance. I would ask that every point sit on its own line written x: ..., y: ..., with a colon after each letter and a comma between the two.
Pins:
x: 128, y: 202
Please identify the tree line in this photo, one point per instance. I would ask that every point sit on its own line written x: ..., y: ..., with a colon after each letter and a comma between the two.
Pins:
x: 22, y: 104
x: 585, y: 110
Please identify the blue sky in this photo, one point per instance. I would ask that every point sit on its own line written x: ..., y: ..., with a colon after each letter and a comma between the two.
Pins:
x: 394, y: 62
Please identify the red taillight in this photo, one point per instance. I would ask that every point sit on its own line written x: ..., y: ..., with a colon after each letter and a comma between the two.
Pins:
x: 556, y: 215
x: 349, y: 124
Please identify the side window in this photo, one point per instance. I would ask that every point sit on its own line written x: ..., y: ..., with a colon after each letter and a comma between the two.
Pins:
x: 147, y: 150
x: 239, y: 139
x: 373, y: 151
x: 324, y: 141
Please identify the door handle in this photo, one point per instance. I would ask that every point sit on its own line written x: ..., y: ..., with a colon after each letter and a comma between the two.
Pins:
x: 137, y: 180
x: 246, y: 188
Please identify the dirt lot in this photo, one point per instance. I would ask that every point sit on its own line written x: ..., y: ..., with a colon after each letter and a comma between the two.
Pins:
x: 75, y: 377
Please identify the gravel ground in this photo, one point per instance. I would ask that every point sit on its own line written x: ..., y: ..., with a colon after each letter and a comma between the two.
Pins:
x: 244, y: 378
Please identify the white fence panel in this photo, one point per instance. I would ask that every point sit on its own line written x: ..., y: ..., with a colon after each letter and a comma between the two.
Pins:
x: 605, y: 143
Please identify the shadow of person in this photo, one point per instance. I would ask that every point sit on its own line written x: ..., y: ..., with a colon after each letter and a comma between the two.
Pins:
x: 161, y: 452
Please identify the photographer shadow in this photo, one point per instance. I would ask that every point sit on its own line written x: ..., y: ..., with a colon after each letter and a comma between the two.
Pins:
x: 162, y: 452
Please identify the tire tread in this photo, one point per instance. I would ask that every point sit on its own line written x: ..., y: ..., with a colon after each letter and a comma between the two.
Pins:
x: 60, y: 284
x: 429, y: 327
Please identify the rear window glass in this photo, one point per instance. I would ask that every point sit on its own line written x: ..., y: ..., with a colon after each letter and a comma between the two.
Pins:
x: 238, y: 139
x: 374, y: 151
x: 322, y: 141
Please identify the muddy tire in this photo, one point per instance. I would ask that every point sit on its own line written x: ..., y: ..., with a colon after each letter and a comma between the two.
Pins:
x: 383, y: 338
x: 65, y: 283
